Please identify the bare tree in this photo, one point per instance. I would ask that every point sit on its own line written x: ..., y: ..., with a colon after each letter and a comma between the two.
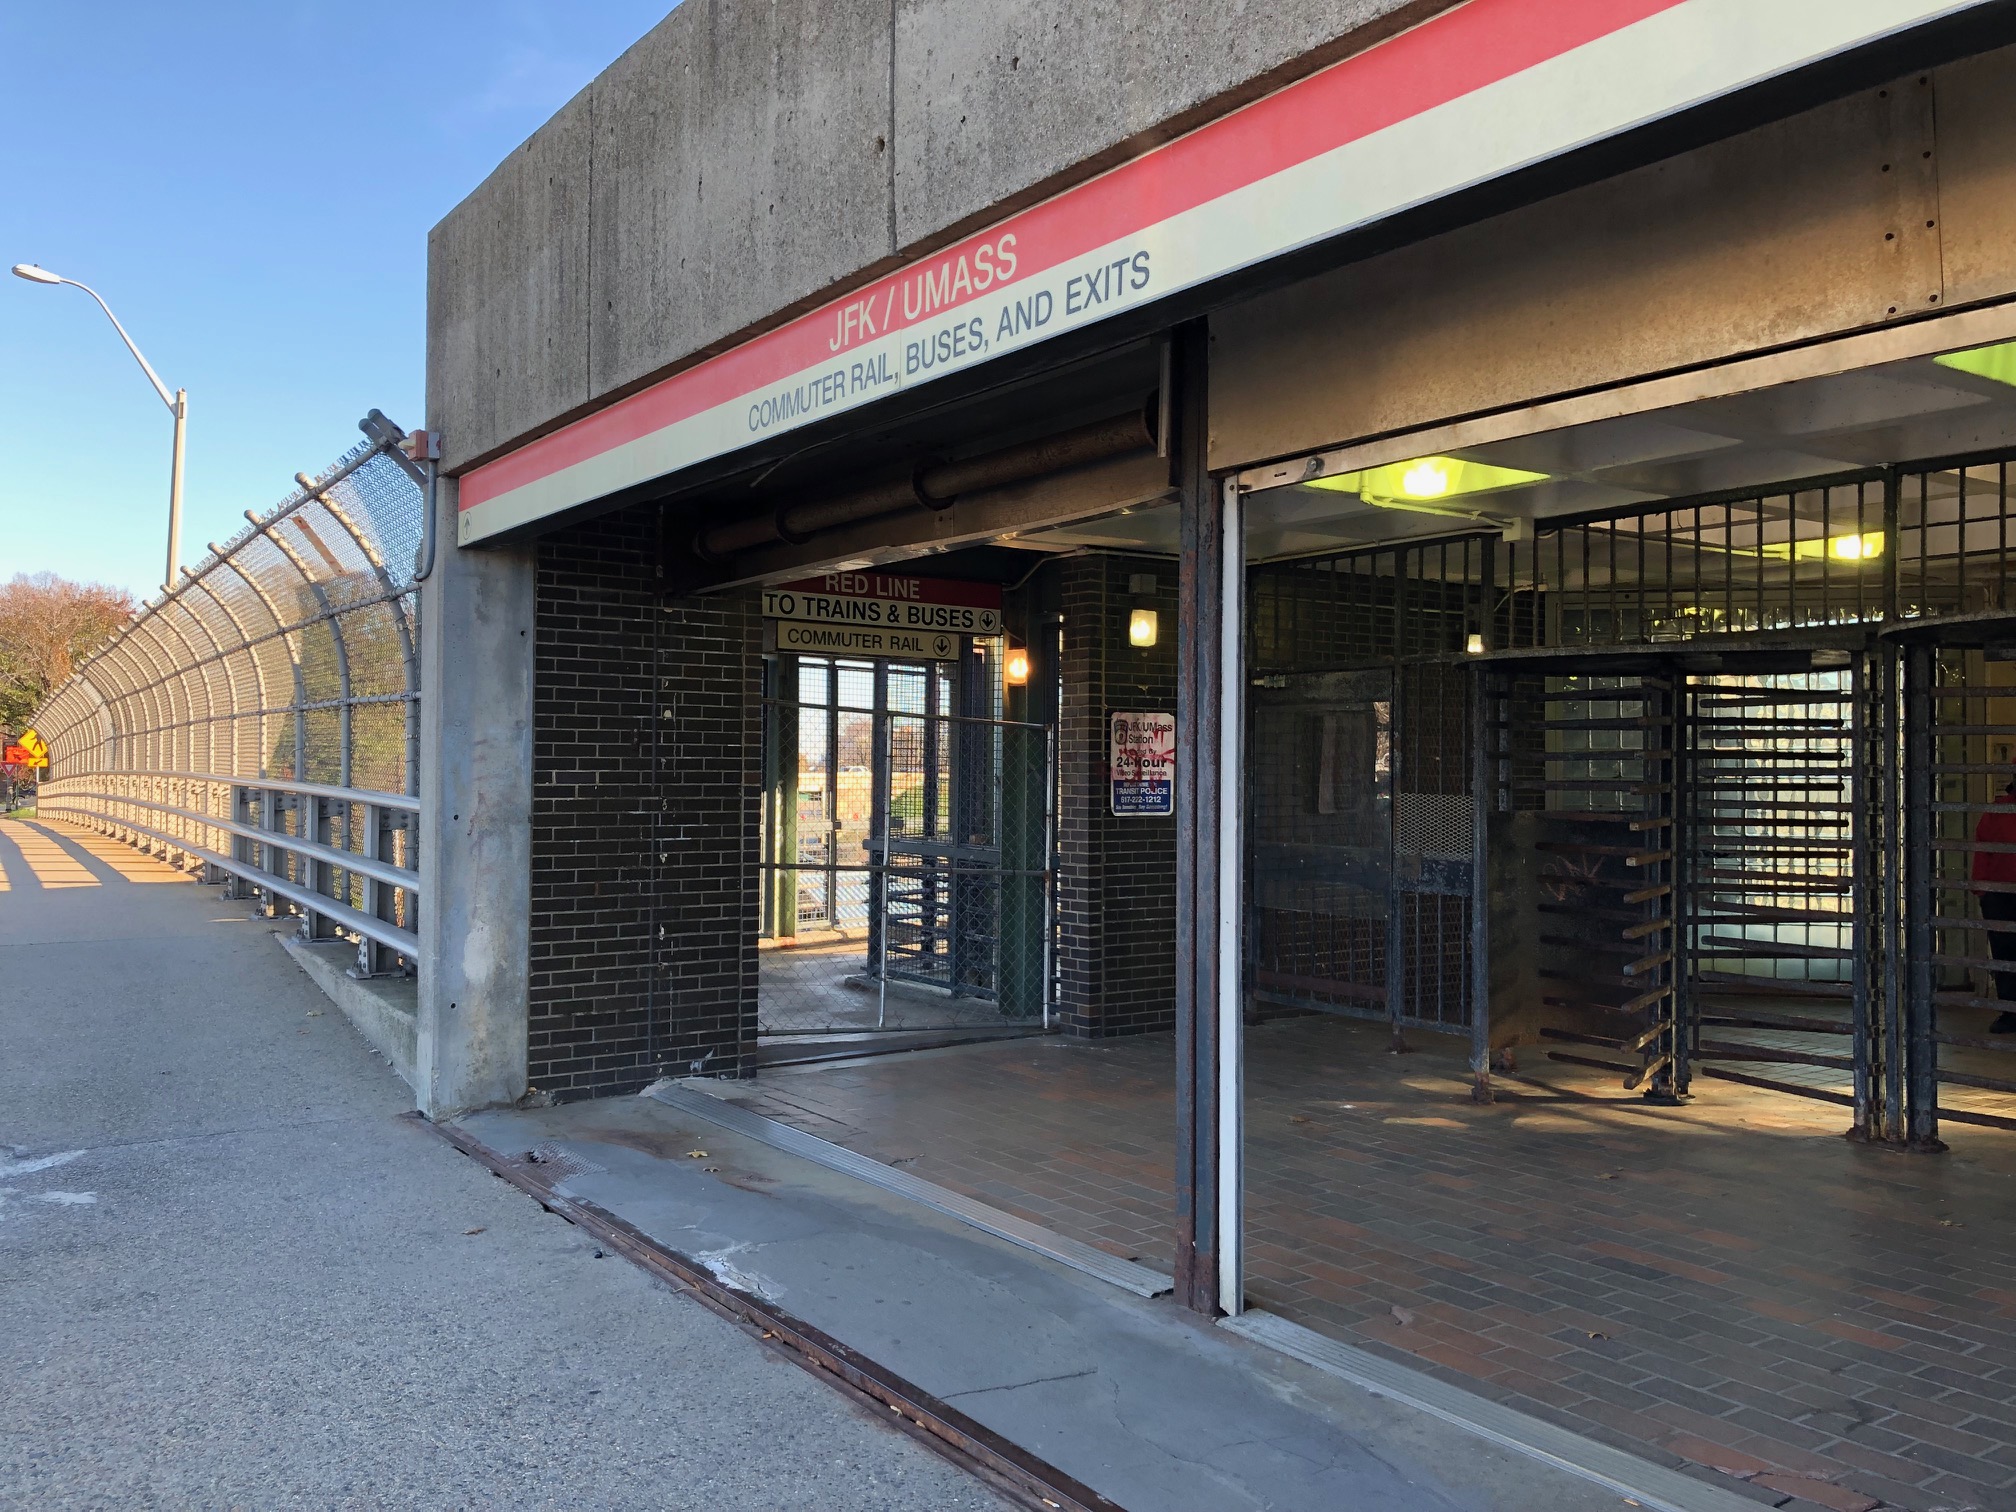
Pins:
x: 48, y: 625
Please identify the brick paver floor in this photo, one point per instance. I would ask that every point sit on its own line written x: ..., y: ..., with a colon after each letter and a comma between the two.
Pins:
x: 1730, y: 1283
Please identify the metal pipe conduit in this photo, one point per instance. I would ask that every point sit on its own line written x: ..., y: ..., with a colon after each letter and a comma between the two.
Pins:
x: 937, y: 486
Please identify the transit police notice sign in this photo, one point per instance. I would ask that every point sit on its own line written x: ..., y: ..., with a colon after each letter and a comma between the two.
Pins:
x: 810, y: 639
x: 1143, y: 763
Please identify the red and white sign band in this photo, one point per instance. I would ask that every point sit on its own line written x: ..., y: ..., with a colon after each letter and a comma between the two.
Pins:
x: 1475, y: 93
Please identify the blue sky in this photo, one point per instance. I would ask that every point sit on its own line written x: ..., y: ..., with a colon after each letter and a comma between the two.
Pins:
x: 250, y: 186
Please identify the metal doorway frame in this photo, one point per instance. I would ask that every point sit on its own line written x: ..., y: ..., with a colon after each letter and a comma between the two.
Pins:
x: 954, y: 813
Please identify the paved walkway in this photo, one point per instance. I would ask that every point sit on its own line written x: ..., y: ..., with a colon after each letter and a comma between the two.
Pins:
x: 1730, y: 1284
x: 231, y: 1277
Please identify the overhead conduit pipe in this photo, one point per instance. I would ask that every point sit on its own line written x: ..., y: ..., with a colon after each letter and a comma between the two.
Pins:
x: 936, y: 486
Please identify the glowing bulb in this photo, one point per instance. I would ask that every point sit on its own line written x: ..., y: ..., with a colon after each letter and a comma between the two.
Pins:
x: 1015, y: 669
x: 1474, y: 646
x: 1141, y: 627
x: 1425, y: 480
x: 1856, y: 548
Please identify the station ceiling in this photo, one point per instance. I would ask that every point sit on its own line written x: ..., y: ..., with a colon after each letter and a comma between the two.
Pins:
x: 1920, y: 409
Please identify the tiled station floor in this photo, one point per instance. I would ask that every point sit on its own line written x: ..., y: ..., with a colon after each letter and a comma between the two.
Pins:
x: 1730, y: 1283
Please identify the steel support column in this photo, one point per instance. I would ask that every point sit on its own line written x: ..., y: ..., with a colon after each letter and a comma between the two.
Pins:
x: 1209, y: 736
x: 1921, y: 1050
x: 1865, y: 900
x: 1484, y: 739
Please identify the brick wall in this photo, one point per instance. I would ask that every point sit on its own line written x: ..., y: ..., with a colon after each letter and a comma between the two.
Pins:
x: 644, y: 819
x: 1117, y: 877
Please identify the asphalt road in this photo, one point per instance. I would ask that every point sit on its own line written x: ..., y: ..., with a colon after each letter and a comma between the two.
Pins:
x: 232, y: 1277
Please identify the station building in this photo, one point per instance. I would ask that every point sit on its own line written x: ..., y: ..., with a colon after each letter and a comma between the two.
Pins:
x: 1363, y: 651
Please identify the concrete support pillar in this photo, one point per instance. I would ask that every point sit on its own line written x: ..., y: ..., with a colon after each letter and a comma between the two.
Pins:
x: 475, y: 822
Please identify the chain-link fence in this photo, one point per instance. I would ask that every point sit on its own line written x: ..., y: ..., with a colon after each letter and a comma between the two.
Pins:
x: 261, y: 720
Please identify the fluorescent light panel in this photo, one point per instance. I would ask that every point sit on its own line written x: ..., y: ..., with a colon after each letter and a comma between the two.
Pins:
x: 1426, y: 480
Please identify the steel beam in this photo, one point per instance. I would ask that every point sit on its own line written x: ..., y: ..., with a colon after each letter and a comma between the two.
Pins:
x: 1205, y: 1270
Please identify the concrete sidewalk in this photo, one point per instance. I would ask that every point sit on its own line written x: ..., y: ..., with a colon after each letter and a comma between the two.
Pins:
x: 232, y: 1276
x: 1139, y: 1400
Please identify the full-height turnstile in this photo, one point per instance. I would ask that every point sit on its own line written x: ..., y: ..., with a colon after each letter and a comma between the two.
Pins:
x: 1676, y: 850
x: 1578, y: 787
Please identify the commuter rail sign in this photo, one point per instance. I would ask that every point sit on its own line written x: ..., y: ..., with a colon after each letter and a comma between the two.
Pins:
x: 808, y: 638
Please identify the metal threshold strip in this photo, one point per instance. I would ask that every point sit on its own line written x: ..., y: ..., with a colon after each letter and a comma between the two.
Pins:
x: 1139, y: 1279
x: 1629, y: 1476
x: 1026, y: 1478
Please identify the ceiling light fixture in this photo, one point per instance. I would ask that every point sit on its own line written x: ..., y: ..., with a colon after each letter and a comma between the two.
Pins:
x: 1426, y: 479
x: 1856, y: 548
x: 1997, y: 363
x: 1422, y: 484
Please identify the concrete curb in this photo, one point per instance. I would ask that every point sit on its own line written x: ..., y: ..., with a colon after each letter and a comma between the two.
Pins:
x: 386, y: 1010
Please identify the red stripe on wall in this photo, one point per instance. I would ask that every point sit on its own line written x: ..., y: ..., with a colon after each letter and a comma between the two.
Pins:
x: 1442, y: 60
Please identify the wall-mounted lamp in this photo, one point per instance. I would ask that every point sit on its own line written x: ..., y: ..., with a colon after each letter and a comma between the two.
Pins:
x: 1141, y: 627
x: 1015, y: 667
x: 1474, y: 646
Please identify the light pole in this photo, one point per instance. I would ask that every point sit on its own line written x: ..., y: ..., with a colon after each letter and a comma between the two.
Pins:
x: 178, y: 406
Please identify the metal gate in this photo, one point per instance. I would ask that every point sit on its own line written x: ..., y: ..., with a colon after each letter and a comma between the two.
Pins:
x: 1434, y: 862
x: 1320, y: 849
x: 908, y: 879
x: 1362, y: 845
x: 1959, y: 925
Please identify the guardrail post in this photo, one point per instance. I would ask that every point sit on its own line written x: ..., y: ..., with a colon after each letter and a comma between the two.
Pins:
x: 269, y: 854
x: 373, y: 959
x: 318, y: 875
x: 239, y: 808
x: 407, y: 826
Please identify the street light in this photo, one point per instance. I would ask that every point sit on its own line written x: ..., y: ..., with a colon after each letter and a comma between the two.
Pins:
x: 178, y: 406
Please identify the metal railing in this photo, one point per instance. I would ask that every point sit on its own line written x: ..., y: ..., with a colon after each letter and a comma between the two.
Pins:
x: 260, y: 722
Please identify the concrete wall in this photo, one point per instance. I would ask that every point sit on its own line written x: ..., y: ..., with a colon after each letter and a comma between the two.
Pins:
x: 475, y: 841
x: 1888, y: 204
x: 743, y: 161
